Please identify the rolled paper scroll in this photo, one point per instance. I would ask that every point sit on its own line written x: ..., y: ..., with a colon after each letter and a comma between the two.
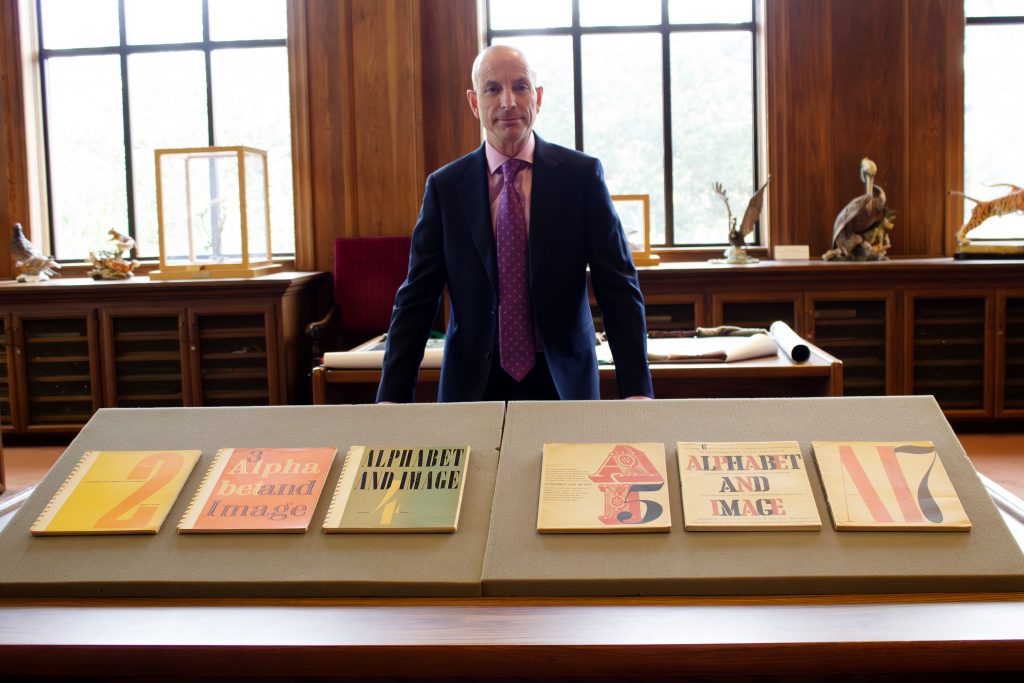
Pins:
x: 792, y: 344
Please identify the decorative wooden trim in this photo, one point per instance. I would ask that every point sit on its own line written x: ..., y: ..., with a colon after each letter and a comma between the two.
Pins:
x: 13, y: 165
x: 302, y: 171
x: 953, y: 159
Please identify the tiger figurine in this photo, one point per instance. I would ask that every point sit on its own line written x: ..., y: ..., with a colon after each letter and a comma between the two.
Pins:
x: 1013, y: 202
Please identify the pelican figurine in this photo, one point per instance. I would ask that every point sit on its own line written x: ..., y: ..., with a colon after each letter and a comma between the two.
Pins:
x: 860, y: 230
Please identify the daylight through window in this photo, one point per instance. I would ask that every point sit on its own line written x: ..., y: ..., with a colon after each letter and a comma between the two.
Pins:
x: 993, y: 139
x: 662, y: 91
x: 122, y: 78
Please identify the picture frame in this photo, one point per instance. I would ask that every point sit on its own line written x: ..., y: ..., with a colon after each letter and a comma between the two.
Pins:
x: 634, y: 212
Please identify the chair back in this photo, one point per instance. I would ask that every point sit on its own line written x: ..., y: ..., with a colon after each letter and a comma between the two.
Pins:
x: 367, y: 273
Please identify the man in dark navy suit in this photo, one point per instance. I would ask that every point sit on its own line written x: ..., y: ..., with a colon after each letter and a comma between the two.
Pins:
x: 511, y: 229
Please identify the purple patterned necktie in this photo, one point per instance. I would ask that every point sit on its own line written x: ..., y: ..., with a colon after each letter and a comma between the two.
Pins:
x: 515, y: 320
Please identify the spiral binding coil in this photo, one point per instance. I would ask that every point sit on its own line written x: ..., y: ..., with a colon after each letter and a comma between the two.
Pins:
x: 223, y: 452
x: 338, y: 487
x: 38, y: 525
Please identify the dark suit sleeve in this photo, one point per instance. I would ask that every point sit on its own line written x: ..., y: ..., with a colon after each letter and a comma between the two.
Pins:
x: 617, y: 289
x: 416, y: 304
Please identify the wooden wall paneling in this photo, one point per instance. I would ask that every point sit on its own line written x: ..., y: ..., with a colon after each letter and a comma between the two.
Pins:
x: 387, y: 115
x: 953, y: 158
x: 800, y: 122
x: 302, y: 172
x: 869, y: 103
x: 13, y: 164
x: 929, y: 138
x: 332, y: 132
x: 449, y: 40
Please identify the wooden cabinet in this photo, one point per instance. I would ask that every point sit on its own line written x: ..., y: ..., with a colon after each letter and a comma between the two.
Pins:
x: 70, y: 347
x: 55, y: 380
x: 860, y: 330
x: 1010, y: 354
x: 6, y: 353
x: 758, y: 309
x: 231, y: 353
x: 950, y: 351
x: 951, y: 329
x: 147, y: 356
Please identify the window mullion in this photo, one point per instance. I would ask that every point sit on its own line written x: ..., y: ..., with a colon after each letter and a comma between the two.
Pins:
x: 577, y: 73
x: 126, y: 118
x: 666, y: 94
x: 207, y: 59
x: 46, y: 131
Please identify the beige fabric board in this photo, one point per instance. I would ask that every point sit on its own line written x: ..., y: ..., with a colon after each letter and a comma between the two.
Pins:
x: 519, y: 561
x: 272, y: 565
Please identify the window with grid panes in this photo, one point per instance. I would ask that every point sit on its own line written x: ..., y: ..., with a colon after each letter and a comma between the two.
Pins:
x: 121, y: 78
x: 993, y: 139
x: 662, y: 91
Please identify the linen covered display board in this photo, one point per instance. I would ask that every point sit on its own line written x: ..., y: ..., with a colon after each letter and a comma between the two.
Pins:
x: 521, y: 562
x: 518, y: 560
x: 312, y: 564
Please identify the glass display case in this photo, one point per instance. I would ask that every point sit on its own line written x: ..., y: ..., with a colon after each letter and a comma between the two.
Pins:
x: 213, y: 213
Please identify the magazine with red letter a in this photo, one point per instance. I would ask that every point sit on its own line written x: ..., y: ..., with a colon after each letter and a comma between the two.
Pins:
x: 603, y: 487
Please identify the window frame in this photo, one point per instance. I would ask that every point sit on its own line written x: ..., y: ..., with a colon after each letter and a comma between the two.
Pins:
x: 665, y: 29
x: 969, y: 21
x: 123, y: 50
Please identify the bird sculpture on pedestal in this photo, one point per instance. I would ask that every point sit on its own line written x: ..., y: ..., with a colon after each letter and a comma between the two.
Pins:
x: 737, y: 251
x: 32, y: 264
x: 114, y: 263
x: 121, y: 242
x: 860, y: 231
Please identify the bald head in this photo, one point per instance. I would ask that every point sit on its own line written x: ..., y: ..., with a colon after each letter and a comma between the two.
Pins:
x: 505, y: 97
x: 499, y: 52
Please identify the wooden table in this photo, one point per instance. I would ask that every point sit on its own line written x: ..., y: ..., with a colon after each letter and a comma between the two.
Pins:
x: 821, y: 375
x: 636, y: 637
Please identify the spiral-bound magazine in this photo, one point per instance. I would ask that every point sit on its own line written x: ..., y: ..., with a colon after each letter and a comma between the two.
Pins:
x: 259, y: 490
x: 399, y: 488
x: 117, y: 492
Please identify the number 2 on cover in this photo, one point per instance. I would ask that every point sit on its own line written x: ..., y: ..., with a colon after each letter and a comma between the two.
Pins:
x: 167, y: 466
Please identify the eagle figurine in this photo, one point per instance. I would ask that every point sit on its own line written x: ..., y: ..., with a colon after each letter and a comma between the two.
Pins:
x: 737, y: 251
x: 861, y: 230
x: 31, y: 264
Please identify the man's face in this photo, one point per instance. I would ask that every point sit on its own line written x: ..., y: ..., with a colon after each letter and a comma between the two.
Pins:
x: 505, y: 99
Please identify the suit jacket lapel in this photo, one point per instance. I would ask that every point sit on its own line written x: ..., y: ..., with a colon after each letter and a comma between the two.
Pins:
x: 473, y: 194
x: 547, y: 188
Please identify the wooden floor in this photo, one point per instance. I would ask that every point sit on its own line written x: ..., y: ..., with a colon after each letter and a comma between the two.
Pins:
x: 1000, y: 457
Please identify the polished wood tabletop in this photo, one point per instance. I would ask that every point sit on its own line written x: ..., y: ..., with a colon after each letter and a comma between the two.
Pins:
x: 512, y: 637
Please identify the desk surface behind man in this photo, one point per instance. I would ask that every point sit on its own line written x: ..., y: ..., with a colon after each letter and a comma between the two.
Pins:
x: 770, y: 376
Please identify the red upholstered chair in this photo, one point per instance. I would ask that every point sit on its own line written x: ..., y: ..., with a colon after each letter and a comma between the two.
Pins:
x: 367, y: 273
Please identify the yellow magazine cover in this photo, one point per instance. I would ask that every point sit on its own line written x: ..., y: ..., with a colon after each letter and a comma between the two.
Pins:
x: 603, y: 488
x: 898, y: 485
x: 117, y: 492
x: 399, y: 489
x: 745, y: 486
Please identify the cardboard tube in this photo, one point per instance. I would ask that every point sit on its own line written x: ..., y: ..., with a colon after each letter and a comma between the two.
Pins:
x: 792, y: 344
